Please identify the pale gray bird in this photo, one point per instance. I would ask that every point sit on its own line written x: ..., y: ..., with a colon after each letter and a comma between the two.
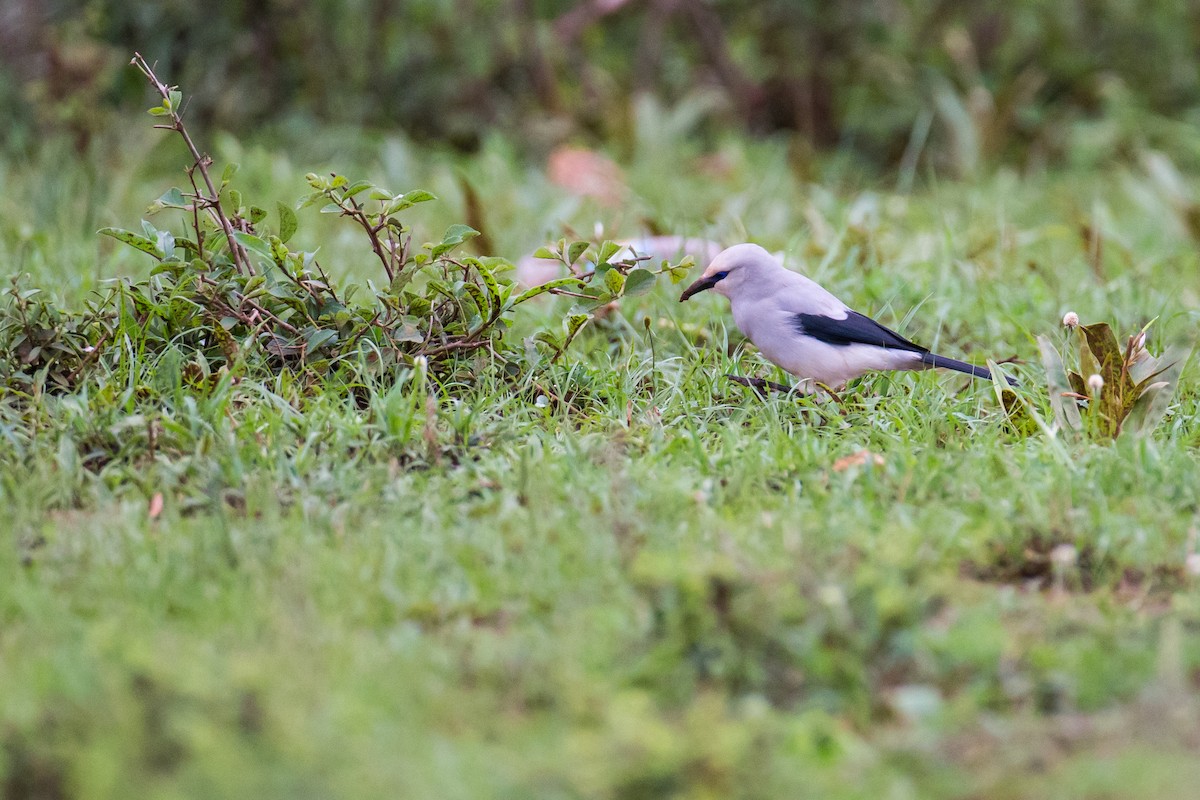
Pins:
x: 803, y: 328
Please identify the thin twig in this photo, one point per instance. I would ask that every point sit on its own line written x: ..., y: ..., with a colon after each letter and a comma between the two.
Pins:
x: 565, y: 293
x: 760, y: 385
x: 213, y: 200
x: 461, y: 344
x: 254, y: 305
x: 356, y: 213
x: 83, y: 362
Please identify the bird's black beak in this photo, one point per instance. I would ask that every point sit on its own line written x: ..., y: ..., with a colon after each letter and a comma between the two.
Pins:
x: 701, y: 285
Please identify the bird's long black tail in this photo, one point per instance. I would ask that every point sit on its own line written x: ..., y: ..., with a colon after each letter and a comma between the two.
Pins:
x: 959, y: 366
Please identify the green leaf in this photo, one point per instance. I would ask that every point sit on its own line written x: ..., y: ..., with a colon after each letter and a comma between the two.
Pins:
x: 575, y: 251
x: 589, y: 299
x: 317, y: 337
x: 174, y: 98
x: 454, y: 236
x: 310, y: 199
x: 257, y: 215
x: 253, y: 244
x: 608, y: 250
x: 639, y: 281
x: 227, y: 174
x: 407, y: 201
x: 357, y: 187
x: 457, y: 234
x: 614, y: 281
x: 548, y: 338
x: 255, y: 283
x: 287, y: 222
x: 561, y: 283
x: 677, y: 274
x: 1066, y: 412
x: 158, y: 111
x: 1102, y: 343
x: 575, y: 324
x: 1143, y: 368
x: 418, y: 196
x: 498, y: 266
x: 172, y: 198
x: 440, y: 287
x: 279, y: 252
x: 1151, y: 406
x: 477, y: 297
x: 545, y: 252
x: 1148, y: 409
x: 408, y: 331
x: 133, y: 240
x: 166, y: 245
x: 1077, y: 384
x: 489, y: 281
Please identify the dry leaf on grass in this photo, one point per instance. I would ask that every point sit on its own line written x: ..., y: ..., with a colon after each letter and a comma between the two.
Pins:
x: 857, y: 460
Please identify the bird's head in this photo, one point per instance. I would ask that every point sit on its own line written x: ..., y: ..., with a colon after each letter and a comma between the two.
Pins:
x: 732, y: 269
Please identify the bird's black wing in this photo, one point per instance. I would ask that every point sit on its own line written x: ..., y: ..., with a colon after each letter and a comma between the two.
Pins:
x: 856, y: 328
x: 859, y: 329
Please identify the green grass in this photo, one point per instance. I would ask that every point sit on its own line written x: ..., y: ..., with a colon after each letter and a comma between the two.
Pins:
x: 650, y: 584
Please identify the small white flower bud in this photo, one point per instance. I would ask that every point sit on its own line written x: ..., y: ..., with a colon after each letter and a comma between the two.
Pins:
x: 1095, y: 383
x: 1071, y: 319
x: 1139, y: 342
x: 1064, y: 555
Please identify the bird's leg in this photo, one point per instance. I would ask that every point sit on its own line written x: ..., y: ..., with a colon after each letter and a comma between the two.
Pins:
x: 761, y: 386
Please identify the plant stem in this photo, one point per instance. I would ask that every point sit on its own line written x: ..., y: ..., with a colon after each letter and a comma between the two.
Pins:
x: 356, y: 213
x: 213, y: 200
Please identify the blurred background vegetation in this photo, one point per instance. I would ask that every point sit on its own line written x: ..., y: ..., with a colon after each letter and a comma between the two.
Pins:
x: 907, y: 87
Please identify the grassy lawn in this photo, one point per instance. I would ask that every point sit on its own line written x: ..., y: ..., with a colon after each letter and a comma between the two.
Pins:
x: 618, y: 575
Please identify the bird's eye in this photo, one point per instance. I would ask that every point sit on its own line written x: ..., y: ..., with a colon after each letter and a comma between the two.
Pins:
x: 721, y: 276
